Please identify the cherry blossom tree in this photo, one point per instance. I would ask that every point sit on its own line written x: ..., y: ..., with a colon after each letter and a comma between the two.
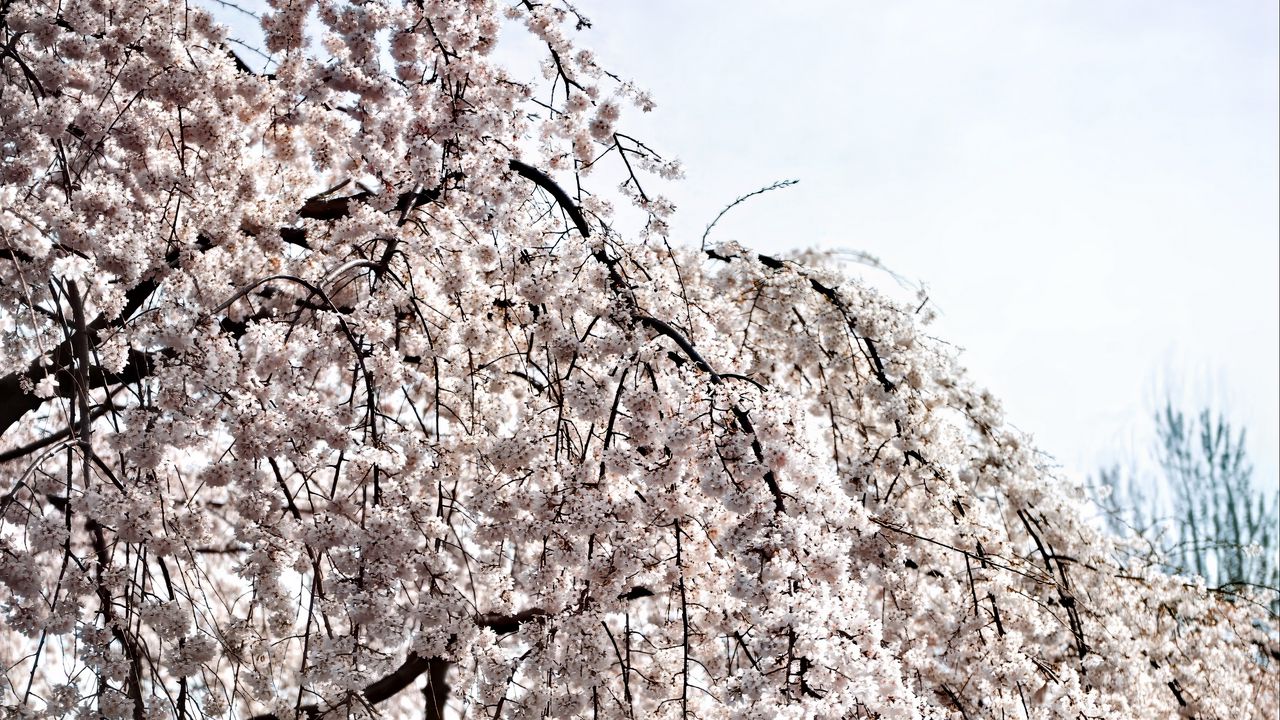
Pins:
x: 329, y: 389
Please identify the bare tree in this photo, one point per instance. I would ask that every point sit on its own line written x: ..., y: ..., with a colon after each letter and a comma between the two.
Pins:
x: 1204, y: 514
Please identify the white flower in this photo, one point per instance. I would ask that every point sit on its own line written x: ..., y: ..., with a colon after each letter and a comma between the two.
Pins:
x: 70, y: 267
x: 46, y: 387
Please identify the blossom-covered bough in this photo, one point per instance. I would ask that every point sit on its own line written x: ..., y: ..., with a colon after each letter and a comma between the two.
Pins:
x: 328, y: 390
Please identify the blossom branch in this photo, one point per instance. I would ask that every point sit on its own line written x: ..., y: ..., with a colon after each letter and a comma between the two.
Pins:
x: 546, y: 183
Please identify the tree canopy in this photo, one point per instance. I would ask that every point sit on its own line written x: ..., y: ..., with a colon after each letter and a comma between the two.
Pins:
x: 330, y: 389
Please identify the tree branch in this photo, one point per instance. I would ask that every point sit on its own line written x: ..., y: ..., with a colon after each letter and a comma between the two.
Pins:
x: 546, y: 183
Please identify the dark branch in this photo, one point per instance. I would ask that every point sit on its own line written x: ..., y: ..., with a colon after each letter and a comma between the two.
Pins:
x: 665, y: 329
x: 546, y: 183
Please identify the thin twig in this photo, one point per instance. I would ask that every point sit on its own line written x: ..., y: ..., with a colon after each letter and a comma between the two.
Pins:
x: 776, y: 186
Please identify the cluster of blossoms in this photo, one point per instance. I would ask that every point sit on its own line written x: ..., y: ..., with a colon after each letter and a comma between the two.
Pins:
x: 320, y: 397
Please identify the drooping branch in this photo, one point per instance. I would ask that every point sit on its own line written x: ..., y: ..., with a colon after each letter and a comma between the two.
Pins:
x: 775, y: 186
x: 546, y: 183
x: 619, y: 284
x: 832, y: 296
x: 770, y: 480
x: 14, y: 402
x: 47, y: 440
x: 387, y: 686
x: 400, y: 678
x: 664, y: 329
x: 415, y: 665
x: 507, y: 624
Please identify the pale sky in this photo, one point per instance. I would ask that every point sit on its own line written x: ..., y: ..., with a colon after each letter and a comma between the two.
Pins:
x: 1090, y: 191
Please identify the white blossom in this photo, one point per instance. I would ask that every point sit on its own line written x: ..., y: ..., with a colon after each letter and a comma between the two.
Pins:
x: 330, y: 380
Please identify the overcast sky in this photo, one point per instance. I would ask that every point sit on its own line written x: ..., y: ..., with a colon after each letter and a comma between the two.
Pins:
x: 1089, y: 190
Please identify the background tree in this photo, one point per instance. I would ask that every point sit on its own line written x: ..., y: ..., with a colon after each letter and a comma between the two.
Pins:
x: 1224, y: 527
x: 330, y: 390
